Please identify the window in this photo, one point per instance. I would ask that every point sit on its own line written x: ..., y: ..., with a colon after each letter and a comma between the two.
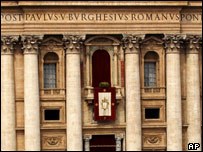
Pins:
x: 151, y: 69
x: 51, y: 114
x: 150, y: 74
x: 152, y: 113
x: 101, y: 67
x: 50, y: 70
x: 49, y: 75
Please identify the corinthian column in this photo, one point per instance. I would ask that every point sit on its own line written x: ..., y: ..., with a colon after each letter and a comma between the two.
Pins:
x: 31, y: 93
x: 8, y: 132
x: 193, y: 90
x: 73, y: 92
x: 174, y: 114
x: 132, y: 84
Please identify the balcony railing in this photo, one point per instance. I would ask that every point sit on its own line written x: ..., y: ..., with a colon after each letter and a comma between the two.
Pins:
x: 89, y: 93
x: 153, y: 90
x: 52, y: 93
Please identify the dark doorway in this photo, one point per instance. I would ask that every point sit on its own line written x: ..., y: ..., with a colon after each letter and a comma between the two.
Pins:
x: 100, y: 67
x: 103, y: 143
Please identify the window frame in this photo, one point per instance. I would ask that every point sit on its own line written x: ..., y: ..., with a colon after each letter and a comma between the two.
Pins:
x: 157, y: 66
x: 56, y: 62
x: 151, y: 86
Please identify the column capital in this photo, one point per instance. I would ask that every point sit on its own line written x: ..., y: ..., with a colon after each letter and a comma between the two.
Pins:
x: 131, y: 43
x: 87, y: 136
x: 72, y: 43
x: 173, y: 42
x: 7, y: 43
x: 193, y: 43
x: 31, y: 43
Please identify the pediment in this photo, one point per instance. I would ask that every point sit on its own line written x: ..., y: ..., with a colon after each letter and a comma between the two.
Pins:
x: 102, y: 40
x: 52, y: 41
x: 152, y: 40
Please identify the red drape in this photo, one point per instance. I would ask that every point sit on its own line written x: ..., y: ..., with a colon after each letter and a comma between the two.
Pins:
x: 100, y: 67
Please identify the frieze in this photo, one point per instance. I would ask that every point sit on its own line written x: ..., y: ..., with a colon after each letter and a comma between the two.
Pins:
x: 101, y: 16
x: 7, y: 43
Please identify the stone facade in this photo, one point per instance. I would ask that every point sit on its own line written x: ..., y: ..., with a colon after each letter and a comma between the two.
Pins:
x: 165, y: 116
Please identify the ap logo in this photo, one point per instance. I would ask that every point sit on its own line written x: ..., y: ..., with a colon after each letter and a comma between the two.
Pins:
x: 193, y: 146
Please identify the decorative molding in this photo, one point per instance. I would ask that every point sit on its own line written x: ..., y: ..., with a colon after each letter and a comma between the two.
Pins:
x: 107, y: 40
x: 155, y: 139
x: 152, y: 40
x: 173, y: 42
x: 31, y: 43
x: 152, y: 139
x: 131, y: 43
x: 7, y: 43
x: 193, y: 43
x: 53, y: 142
x: 52, y: 43
x: 73, y: 43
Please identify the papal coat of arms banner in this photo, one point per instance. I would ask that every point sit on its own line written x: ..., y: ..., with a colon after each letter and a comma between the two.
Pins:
x: 104, y: 104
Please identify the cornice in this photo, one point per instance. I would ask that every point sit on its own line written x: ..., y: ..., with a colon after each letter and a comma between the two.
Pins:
x: 99, y: 3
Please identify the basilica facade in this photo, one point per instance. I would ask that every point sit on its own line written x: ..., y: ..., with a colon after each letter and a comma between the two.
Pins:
x: 101, y: 75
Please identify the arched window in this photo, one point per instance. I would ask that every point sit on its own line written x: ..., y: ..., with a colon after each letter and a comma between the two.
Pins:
x: 50, y: 67
x: 151, y: 59
x: 100, y: 67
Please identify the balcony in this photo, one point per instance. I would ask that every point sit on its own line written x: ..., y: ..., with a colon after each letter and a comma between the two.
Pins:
x: 89, y: 94
x: 157, y: 92
x: 52, y: 93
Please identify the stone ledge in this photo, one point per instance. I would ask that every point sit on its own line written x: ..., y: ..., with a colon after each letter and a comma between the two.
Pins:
x: 99, y: 3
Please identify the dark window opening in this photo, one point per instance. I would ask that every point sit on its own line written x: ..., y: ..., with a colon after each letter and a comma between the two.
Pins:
x: 152, y: 113
x: 100, y: 67
x: 150, y: 69
x: 103, y: 143
x: 50, y: 70
x: 51, y: 114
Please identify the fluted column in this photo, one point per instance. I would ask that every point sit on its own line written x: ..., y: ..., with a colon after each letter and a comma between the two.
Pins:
x: 31, y: 93
x: 193, y: 90
x: 173, y: 87
x: 8, y: 132
x: 73, y: 92
x: 132, y: 84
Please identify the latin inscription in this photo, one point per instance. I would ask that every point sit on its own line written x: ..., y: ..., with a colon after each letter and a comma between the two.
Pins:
x: 101, y: 17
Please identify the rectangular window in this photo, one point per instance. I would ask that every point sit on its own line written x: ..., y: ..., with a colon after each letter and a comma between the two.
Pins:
x: 49, y: 75
x: 150, y: 74
x: 152, y: 113
x: 52, y: 114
